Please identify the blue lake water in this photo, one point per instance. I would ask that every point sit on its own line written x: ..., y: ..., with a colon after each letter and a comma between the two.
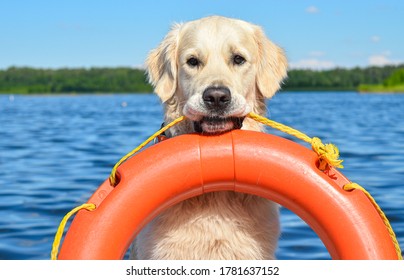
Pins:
x: 56, y: 150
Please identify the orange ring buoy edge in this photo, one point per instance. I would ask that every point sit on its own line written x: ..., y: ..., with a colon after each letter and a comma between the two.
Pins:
x: 242, y: 161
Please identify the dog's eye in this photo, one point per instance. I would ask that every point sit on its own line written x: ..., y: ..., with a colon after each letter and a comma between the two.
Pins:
x: 193, y: 62
x: 238, y: 59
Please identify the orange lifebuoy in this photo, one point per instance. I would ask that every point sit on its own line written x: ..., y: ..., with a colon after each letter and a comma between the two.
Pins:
x: 241, y: 161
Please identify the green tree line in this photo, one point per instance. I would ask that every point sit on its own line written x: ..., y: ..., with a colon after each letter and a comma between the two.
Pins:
x: 393, y: 83
x: 338, y: 79
x: 116, y: 80
x: 395, y: 79
x: 81, y: 80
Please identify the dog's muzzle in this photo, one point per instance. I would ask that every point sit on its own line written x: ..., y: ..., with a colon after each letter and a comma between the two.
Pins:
x: 216, y: 125
x: 217, y: 100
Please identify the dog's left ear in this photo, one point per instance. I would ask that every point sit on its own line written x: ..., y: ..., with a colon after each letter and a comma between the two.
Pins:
x: 272, y: 65
x: 161, y: 65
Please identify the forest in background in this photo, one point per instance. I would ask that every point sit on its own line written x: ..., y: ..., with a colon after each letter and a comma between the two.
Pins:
x: 338, y: 79
x: 73, y: 80
x: 128, y: 80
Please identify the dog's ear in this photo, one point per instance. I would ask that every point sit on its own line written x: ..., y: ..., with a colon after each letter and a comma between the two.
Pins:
x: 272, y: 65
x: 161, y: 65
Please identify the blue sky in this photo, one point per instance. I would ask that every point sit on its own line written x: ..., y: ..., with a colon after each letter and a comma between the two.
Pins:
x: 97, y: 33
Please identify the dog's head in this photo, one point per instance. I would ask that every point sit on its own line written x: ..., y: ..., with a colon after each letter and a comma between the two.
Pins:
x: 215, y: 71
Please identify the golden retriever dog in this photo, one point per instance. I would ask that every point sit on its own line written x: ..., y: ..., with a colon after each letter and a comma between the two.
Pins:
x: 214, y: 70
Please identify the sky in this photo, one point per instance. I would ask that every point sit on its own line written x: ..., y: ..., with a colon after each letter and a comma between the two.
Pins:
x: 100, y: 33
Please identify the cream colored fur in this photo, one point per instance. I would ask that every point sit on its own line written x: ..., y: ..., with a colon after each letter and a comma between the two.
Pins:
x: 219, y: 225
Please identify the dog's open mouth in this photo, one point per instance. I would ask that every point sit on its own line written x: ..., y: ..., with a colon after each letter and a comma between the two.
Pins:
x: 216, y: 125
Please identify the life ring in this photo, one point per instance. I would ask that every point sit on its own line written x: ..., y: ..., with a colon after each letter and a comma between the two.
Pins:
x: 241, y: 161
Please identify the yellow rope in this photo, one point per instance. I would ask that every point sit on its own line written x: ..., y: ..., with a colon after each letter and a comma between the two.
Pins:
x: 281, y: 127
x: 59, y: 232
x: 112, y: 176
x: 328, y: 154
x: 355, y: 186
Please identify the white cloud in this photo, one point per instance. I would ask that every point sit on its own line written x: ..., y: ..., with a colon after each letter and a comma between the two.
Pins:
x: 375, y: 39
x: 312, y: 63
x: 382, y: 59
x: 312, y: 10
x: 378, y: 60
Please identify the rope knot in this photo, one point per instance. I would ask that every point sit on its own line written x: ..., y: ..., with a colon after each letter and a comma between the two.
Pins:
x: 328, y: 154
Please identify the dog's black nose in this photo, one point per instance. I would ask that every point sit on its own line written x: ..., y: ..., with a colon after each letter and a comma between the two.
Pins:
x: 216, y: 97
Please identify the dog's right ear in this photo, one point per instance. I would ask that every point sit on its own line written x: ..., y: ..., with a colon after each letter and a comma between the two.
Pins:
x: 272, y: 68
x: 161, y: 65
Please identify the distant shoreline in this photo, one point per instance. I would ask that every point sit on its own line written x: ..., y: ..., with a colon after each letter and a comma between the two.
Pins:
x: 292, y: 91
x: 399, y: 89
x: 381, y: 92
x: 71, y: 93
x: 26, y: 80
